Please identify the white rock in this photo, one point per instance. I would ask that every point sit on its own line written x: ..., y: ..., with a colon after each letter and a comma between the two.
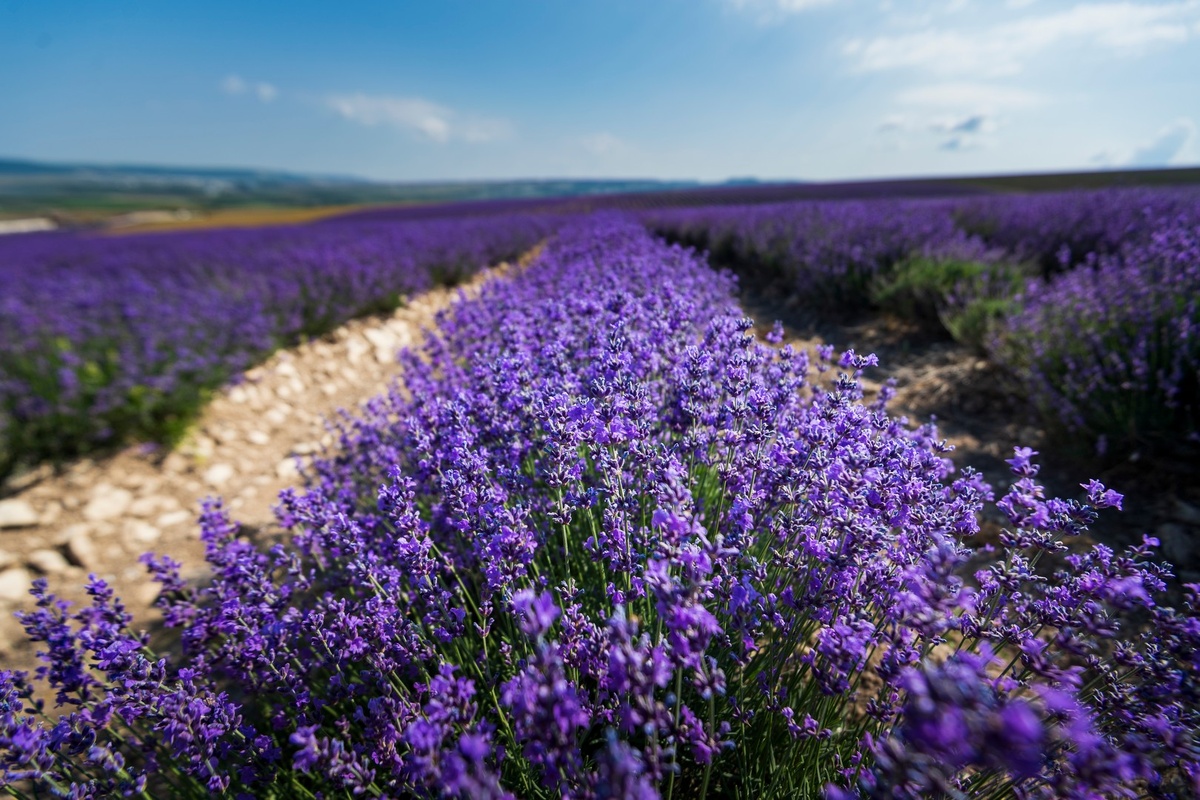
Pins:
x: 175, y: 463
x: 203, y: 447
x: 7, y: 559
x: 83, y: 552
x: 356, y: 348
x: 218, y: 474
x: 141, y: 532
x: 385, y: 356
x: 223, y: 436
x: 329, y: 389
x: 108, y: 502
x: 173, y: 518
x: 16, y: 513
x: 381, y: 338
x: 47, y: 562
x: 51, y: 513
x: 286, y: 469
x: 258, y: 438
x: 286, y: 368
x: 276, y: 416
x: 145, y: 506
x: 64, y: 535
x: 238, y: 395
x: 14, y: 584
x: 296, y: 385
x: 305, y: 448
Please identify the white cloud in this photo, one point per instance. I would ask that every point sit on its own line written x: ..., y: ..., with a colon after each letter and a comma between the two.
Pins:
x: 235, y: 85
x: 1173, y: 145
x: 417, y: 115
x: 1123, y: 27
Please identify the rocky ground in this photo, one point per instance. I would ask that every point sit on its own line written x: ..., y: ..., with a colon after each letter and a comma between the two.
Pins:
x: 98, y: 516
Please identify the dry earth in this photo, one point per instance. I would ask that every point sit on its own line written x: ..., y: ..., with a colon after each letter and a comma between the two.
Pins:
x: 100, y: 515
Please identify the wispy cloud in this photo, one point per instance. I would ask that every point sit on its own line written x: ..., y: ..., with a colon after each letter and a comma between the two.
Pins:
x: 236, y: 85
x: 1173, y: 145
x: 957, y: 115
x: 965, y: 94
x: 1004, y: 49
x: 950, y: 132
x: 768, y: 11
x: 425, y: 118
x: 603, y: 144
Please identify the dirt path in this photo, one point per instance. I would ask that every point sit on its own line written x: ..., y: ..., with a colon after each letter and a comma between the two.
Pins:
x: 101, y: 515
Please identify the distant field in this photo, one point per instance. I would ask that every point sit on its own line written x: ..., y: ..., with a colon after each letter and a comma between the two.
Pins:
x: 237, y: 218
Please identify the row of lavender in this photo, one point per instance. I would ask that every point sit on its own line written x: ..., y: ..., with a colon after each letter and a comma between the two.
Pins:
x: 1089, y: 297
x: 106, y: 338
x: 602, y: 543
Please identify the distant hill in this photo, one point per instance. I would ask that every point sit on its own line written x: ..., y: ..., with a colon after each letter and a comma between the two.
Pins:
x: 100, y: 190
x: 75, y: 194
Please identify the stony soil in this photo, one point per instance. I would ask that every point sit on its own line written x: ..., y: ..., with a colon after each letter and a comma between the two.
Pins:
x: 100, y: 515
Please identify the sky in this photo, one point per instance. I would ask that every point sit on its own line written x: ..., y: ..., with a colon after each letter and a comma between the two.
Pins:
x: 672, y: 89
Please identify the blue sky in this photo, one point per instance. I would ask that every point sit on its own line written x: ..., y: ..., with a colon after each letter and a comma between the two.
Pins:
x: 706, y: 89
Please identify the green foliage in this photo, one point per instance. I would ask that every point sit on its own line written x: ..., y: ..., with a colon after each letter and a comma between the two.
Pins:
x: 967, y: 299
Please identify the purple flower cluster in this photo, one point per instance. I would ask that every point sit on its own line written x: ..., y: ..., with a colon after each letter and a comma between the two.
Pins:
x: 108, y: 337
x: 602, y: 543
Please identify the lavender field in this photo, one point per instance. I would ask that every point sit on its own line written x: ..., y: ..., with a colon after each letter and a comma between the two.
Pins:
x: 110, y: 339
x: 602, y: 540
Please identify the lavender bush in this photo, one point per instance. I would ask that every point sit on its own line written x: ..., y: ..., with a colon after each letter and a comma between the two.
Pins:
x: 104, y: 339
x: 1111, y: 350
x: 601, y: 543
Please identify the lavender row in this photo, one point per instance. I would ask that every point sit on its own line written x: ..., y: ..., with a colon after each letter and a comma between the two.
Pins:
x: 106, y: 338
x: 602, y: 543
x: 1112, y: 349
x: 825, y: 252
x: 1085, y: 296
